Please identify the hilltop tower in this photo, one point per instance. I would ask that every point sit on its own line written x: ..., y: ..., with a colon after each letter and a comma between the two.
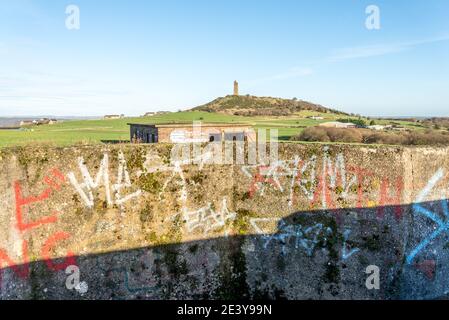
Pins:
x: 236, y: 88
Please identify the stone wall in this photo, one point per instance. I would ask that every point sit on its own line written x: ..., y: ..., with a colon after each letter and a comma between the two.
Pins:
x: 137, y: 226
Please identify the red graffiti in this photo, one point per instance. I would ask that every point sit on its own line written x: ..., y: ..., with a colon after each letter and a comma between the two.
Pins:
x: 297, y: 180
x: 54, y: 183
x: 387, y: 200
x: 21, y: 201
x: 260, y: 178
x: 22, y: 271
x: 361, y: 175
x: 49, y: 244
x: 390, y: 192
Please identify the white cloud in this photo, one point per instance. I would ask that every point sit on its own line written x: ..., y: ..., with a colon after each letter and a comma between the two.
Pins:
x: 379, y: 50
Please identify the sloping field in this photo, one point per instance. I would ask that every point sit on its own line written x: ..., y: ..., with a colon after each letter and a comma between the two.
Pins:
x: 98, y: 131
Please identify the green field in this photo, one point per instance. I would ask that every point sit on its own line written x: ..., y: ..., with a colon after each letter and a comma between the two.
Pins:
x: 99, y: 131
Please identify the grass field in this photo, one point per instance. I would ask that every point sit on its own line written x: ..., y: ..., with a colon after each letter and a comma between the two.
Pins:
x: 97, y: 131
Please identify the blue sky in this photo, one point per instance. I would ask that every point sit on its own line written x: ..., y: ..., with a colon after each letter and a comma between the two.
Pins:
x: 136, y: 56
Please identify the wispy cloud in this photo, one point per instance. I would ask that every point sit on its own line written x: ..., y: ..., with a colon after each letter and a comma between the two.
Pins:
x: 365, y: 52
x: 48, y: 91
x: 380, y: 50
x: 350, y: 53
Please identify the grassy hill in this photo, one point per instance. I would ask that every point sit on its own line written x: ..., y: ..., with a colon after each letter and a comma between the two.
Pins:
x: 262, y: 106
x: 289, y: 117
x: 98, y: 131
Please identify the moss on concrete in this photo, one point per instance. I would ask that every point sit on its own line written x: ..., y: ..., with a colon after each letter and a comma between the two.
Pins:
x: 241, y: 224
x: 150, y: 182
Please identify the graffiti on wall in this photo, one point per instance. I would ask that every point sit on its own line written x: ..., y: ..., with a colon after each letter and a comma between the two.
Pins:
x: 320, y: 187
x: 113, y: 193
x: 326, y: 182
x: 24, y: 205
x: 347, y: 252
x: 299, y: 237
x: 439, y: 218
x: 205, y: 219
x: 208, y: 219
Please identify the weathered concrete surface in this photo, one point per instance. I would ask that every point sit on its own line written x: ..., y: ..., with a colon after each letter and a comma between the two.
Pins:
x: 305, y: 227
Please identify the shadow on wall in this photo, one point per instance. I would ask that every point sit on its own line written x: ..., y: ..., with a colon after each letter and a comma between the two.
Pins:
x: 313, y: 255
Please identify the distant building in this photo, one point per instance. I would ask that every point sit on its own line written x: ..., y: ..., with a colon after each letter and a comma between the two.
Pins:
x: 39, y: 122
x: 24, y: 123
x: 45, y: 121
x: 157, y: 113
x: 398, y: 128
x: 113, y: 116
x: 336, y: 124
x: 236, y: 88
x: 379, y: 127
x: 183, y: 133
x: 315, y: 118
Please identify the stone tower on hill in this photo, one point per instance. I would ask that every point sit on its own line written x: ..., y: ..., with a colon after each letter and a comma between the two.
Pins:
x: 236, y: 88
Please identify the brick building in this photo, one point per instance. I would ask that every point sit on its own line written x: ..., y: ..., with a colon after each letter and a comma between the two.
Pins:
x: 184, y: 133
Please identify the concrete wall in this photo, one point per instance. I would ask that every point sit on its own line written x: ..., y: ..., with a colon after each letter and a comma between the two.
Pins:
x: 137, y: 226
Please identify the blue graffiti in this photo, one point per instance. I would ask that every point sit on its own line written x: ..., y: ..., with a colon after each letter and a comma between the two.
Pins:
x: 443, y: 225
x: 305, y: 238
x: 345, y: 254
x: 126, y: 272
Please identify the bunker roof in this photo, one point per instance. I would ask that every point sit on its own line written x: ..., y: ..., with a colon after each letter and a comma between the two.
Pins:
x: 188, y: 124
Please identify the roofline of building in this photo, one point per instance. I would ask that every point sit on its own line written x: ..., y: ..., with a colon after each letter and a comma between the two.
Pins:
x: 182, y: 125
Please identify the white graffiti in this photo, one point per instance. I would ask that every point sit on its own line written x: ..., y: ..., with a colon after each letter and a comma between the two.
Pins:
x: 256, y: 224
x: 302, y: 174
x: 123, y: 181
x: 300, y: 179
x: 85, y: 189
x: 177, y: 170
x: 336, y: 171
x: 207, y: 218
x: 272, y: 175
